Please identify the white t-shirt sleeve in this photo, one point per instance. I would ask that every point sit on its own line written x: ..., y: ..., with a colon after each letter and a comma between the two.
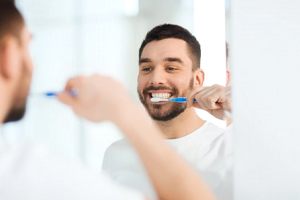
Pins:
x: 30, y: 173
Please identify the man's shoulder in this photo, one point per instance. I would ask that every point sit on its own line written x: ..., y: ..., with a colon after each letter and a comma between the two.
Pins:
x: 209, y: 131
x: 208, y: 126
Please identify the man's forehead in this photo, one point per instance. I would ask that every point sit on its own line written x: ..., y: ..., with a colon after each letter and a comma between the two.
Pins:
x: 166, y: 48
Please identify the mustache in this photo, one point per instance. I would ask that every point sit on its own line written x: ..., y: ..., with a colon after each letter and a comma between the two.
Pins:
x: 146, y: 90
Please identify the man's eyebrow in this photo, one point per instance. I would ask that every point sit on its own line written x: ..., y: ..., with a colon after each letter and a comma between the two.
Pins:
x: 144, y: 60
x: 173, y: 59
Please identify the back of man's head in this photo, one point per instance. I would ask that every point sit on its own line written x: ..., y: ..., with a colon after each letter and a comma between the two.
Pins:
x: 166, y: 31
x: 15, y: 63
x: 11, y: 20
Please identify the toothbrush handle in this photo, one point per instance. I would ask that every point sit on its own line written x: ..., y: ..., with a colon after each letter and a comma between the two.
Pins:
x: 73, y: 93
x: 180, y: 100
x: 50, y: 94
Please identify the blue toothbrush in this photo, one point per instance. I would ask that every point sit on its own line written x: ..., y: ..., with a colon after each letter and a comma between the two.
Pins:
x: 73, y: 93
x: 175, y: 99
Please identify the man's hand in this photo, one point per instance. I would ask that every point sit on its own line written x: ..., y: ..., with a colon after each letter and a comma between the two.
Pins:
x: 215, y: 99
x: 97, y: 98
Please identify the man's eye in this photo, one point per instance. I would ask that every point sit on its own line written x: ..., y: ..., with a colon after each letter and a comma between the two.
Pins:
x: 146, y: 69
x: 170, y: 69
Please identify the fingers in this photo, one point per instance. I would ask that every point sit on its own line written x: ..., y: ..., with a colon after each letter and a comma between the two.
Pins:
x: 209, y: 97
x: 227, y: 102
x: 74, y: 83
x: 215, y: 99
x: 68, y: 96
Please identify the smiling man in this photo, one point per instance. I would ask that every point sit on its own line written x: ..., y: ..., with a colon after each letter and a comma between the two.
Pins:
x: 169, y: 66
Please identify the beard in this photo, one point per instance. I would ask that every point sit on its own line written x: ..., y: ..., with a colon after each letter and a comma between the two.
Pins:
x: 18, y: 107
x: 15, y: 114
x: 156, y: 110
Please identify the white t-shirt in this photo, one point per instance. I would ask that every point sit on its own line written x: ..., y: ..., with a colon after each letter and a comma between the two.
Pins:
x: 28, y: 172
x: 205, y: 149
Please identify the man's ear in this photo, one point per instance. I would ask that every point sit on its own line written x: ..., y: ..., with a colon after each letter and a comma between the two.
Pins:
x: 8, y: 57
x: 198, y: 77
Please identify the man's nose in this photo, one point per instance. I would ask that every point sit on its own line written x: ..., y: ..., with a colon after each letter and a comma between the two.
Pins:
x: 158, y: 77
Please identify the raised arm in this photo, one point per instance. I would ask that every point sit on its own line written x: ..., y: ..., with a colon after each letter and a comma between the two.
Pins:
x: 102, y: 98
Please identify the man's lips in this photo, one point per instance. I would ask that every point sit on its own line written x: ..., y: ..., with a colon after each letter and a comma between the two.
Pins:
x: 161, y: 92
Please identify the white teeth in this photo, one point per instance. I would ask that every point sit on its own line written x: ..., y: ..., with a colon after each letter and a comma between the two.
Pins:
x: 156, y: 100
x: 161, y: 95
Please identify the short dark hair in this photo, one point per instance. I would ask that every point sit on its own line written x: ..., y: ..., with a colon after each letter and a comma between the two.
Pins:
x: 165, y: 31
x: 11, y: 20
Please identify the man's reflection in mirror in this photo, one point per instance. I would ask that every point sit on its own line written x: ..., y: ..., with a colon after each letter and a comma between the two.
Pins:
x: 169, y: 67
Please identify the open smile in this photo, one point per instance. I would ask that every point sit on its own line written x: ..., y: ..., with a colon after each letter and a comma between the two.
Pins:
x: 159, y: 94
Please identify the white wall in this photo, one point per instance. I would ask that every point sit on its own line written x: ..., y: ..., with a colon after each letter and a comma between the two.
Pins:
x: 209, y: 28
x: 265, y: 46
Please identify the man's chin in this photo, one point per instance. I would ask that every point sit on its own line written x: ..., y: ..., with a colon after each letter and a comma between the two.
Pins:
x: 163, y: 111
x: 167, y: 116
x: 15, y: 115
x: 163, y: 118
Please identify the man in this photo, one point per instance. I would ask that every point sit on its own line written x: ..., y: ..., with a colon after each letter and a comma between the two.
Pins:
x: 29, y: 173
x: 169, y: 66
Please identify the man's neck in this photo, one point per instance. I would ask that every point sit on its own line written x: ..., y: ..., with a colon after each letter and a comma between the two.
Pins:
x: 182, y: 125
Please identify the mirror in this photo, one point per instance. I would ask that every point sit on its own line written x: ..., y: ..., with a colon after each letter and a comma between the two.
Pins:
x: 85, y: 36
